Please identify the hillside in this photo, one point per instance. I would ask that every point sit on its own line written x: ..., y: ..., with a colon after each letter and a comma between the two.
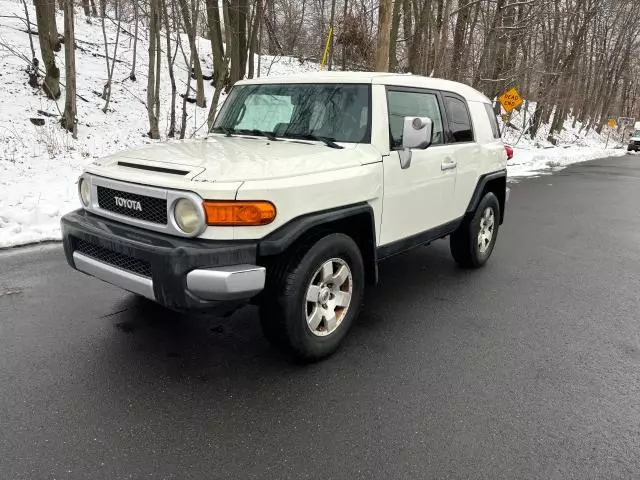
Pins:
x: 39, y: 164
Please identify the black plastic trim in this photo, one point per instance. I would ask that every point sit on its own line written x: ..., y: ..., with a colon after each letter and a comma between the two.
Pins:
x: 282, y: 238
x: 171, y: 258
x: 418, y: 239
x: 482, y: 182
x: 150, y: 168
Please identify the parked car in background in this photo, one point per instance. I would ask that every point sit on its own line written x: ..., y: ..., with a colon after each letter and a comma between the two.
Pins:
x: 634, y: 141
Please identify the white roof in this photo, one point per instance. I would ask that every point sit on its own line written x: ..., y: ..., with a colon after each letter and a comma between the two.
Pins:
x: 378, y: 78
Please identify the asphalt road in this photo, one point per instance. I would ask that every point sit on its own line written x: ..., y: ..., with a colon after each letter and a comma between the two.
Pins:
x: 528, y: 368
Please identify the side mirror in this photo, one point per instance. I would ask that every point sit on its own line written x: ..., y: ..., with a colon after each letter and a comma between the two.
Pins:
x: 417, y: 133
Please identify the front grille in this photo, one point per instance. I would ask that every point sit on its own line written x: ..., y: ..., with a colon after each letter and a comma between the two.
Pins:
x: 115, y: 259
x: 145, y: 208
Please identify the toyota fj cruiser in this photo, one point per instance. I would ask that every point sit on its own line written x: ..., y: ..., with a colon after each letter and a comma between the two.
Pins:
x: 303, y: 186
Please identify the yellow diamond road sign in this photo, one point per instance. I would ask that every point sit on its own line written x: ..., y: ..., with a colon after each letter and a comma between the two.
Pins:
x: 510, y: 100
x: 612, y: 123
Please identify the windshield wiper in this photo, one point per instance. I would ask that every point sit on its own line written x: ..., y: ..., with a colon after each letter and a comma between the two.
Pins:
x: 259, y: 133
x: 329, y: 142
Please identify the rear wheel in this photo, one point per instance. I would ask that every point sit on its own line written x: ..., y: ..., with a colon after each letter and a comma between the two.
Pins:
x: 309, y: 307
x: 473, y: 242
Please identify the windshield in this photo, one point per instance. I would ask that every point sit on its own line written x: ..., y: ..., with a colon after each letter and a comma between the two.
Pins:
x: 339, y: 112
x: 636, y: 133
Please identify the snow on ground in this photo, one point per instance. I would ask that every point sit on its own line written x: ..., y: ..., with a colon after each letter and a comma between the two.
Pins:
x: 39, y: 166
x: 538, y: 156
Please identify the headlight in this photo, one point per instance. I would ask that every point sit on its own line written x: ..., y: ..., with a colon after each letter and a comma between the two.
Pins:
x: 187, y: 216
x: 84, y: 191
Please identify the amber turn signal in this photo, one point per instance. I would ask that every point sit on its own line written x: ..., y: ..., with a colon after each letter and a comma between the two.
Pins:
x: 233, y: 213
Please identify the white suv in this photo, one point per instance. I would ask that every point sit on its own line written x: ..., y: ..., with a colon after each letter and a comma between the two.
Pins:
x: 305, y: 184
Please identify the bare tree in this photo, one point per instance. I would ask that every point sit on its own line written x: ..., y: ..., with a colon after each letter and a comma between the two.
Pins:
x: 69, y: 121
x: 106, y: 91
x: 87, y: 10
x: 171, y: 58
x: 220, y: 61
x: 132, y: 75
x: 332, y: 19
x: 256, y: 24
x: 384, y: 29
x: 49, y: 43
x: 190, y: 20
x: 153, y: 83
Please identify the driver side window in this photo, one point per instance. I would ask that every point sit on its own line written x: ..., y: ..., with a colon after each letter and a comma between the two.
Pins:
x: 412, y: 104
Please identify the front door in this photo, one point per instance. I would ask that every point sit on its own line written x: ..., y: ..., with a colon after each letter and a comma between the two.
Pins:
x: 419, y: 198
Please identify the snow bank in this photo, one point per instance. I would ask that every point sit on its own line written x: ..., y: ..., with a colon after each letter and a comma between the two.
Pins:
x: 39, y: 166
x: 539, y: 156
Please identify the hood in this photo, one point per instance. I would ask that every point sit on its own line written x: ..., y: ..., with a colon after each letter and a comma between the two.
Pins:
x: 232, y: 159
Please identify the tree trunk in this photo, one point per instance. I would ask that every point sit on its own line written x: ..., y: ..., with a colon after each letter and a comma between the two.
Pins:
x: 154, y: 56
x: 87, y: 10
x: 384, y: 29
x: 32, y: 71
x: 243, y: 8
x: 459, y: 44
x: 393, y: 36
x: 132, y: 75
x: 253, y: 40
x: 94, y: 10
x: 220, y: 65
x: 106, y: 92
x: 344, y: 44
x: 172, y: 77
x: 69, y: 117
x: 48, y: 35
x: 232, y: 27
x: 332, y: 19
x: 190, y: 19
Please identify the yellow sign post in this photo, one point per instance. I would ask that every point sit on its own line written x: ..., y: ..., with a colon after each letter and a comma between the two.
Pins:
x: 612, y: 125
x: 326, y: 48
x: 510, y: 100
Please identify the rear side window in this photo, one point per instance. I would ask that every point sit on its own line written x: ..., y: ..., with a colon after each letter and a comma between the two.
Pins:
x: 459, y: 119
x: 493, y: 121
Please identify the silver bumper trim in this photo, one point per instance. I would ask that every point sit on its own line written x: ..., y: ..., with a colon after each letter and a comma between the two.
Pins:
x: 227, y: 283
x: 115, y: 276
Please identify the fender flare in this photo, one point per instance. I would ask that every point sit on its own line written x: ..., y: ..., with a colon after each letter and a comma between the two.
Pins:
x: 480, y: 186
x: 286, y: 235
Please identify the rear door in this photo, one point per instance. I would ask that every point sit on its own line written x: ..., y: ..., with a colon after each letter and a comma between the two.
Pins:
x: 463, y: 148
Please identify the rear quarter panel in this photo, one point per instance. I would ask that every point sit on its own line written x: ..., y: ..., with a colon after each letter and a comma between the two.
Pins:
x: 488, y: 156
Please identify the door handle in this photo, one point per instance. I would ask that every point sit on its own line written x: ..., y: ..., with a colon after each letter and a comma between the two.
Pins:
x: 448, y: 164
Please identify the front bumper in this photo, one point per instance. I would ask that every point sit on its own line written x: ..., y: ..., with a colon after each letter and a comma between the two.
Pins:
x: 181, y: 274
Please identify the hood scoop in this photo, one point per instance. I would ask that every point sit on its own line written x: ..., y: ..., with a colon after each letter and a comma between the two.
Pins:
x: 152, y: 168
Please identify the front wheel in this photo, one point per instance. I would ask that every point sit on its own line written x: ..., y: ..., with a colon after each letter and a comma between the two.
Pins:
x: 309, y: 309
x: 472, y: 243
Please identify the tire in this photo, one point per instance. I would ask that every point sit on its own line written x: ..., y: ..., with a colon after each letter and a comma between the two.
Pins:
x: 303, y: 328
x: 465, y: 241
